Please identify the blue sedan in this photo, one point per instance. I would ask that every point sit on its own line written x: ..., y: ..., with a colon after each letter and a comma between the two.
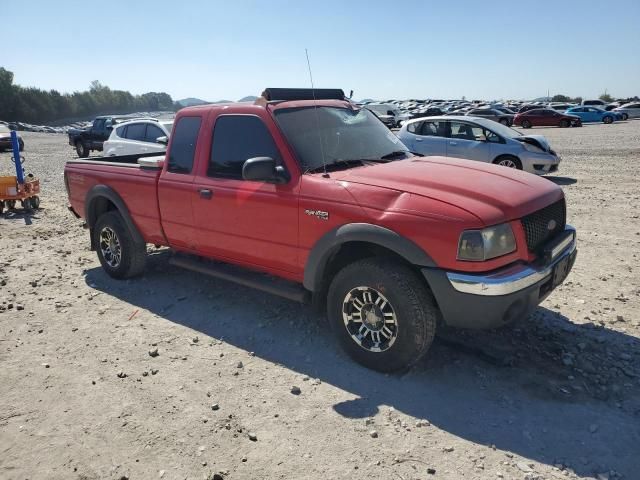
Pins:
x: 593, y: 114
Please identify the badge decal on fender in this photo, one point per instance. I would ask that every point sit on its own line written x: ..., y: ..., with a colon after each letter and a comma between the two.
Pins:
x: 322, y: 215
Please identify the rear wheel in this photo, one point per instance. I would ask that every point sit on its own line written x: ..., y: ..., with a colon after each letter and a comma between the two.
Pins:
x: 35, y: 202
x: 625, y: 116
x: 382, y: 314
x: 119, y: 254
x: 564, y: 123
x: 504, y: 121
x: 526, y: 124
x: 82, y: 150
x: 509, y: 162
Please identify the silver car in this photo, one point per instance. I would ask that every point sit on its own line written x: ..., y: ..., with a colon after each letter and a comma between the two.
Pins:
x: 632, y: 110
x: 479, y: 139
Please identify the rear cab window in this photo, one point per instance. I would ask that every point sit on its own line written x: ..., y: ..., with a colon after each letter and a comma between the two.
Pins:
x: 183, y: 145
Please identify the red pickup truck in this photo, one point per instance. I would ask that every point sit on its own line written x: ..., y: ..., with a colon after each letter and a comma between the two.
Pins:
x: 306, y: 195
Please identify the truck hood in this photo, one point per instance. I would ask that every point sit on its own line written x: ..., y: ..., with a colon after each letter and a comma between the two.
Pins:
x: 489, y: 192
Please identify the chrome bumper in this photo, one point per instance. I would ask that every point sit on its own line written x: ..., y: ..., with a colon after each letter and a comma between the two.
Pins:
x: 513, y: 278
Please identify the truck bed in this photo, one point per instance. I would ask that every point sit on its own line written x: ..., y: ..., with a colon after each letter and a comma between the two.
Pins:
x: 137, y: 186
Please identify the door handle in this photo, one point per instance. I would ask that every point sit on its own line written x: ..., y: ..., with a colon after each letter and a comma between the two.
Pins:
x: 205, y: 193
x: 418, y: 139
x: 453, y: 143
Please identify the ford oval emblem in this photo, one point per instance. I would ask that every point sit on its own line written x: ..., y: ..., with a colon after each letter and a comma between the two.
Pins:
x: 551, y: 225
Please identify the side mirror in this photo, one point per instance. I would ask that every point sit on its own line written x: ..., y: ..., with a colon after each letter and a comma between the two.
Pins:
x: 164, y: 140
x: 264, y: 169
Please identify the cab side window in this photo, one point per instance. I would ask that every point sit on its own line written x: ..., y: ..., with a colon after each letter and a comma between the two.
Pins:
x: 183, y: 145
x: 237, y: 138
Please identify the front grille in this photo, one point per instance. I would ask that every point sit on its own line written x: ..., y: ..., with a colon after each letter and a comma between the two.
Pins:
x: 536, y: 225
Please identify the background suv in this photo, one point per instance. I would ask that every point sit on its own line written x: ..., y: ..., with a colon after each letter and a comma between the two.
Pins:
x: 479, y: 139
x: 138, y: 136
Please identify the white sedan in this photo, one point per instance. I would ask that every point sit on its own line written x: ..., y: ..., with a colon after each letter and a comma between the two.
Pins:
x: 138, y: 136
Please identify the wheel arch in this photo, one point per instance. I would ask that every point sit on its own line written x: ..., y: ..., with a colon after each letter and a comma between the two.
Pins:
x: 101, y: 199
x: 355, y: 241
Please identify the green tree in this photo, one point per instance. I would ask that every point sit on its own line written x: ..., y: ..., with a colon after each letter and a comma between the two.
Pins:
x: 605, y: 97
x: 39, y: 106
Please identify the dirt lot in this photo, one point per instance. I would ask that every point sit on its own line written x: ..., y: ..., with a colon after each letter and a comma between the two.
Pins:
x: 555, y: 396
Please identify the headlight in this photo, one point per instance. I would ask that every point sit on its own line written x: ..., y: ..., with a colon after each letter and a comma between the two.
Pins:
x: 532, y: 148
x: 491, y: 242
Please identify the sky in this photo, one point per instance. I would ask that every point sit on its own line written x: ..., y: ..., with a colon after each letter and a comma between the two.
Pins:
x: 380, y: 49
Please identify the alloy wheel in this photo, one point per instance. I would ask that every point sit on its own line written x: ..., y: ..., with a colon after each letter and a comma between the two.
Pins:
x: 508, y: 163
x: 110, y: 247
x: 370, y: 319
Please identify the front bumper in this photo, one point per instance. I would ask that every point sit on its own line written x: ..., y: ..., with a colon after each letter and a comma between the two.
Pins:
x: 497, y: 298
x: 539, y: 163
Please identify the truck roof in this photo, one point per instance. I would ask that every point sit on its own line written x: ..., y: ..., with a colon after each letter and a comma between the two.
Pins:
x: 276, y: 98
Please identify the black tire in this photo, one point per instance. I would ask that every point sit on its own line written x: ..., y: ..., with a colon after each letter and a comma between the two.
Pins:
x: 35, y: 202
x: 564, y: 123
x: 414, y: 310
x: 26, y: 205
x: 625, y: 116
x: 607, y: 119
x: 504, y: 121
x: 132, y: 255
x: 526, y: 124
x: 1, y: 207
x: 82, y: 149
x: 10, y: 204
x: 508, y: 161
x: 21, y: 145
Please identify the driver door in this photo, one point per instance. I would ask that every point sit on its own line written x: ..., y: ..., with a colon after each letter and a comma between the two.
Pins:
x: 249, y: 222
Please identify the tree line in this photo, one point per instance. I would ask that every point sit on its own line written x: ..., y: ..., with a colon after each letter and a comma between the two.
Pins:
x: 33, y: 105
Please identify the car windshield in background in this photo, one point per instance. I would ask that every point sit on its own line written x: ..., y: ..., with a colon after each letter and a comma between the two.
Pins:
x: 168, y: 125
x: 346, y: 135
x: 4, y: 129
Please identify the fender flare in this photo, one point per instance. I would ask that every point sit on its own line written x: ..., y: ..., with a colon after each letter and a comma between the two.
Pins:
x: 103, y: 191
x: 330, y: 242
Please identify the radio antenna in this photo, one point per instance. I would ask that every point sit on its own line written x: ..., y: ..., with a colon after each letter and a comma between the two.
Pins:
x: 315, y: 107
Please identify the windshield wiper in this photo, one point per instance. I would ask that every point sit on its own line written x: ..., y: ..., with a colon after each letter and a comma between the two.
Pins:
x: 394, y: 154
x: 336, y: 163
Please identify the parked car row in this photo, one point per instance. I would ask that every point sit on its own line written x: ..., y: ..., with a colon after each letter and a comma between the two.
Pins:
x: 395, y: 112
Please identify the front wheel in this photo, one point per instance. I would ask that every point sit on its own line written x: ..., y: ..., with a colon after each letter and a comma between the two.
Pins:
x: 509, y: 162
x: 504, y: 121
x: 625, y: 116
x: 526, y: 124
x: 382, y: 313
x: 607, y: 119
x: 119, y: 254
x: 564, y: 123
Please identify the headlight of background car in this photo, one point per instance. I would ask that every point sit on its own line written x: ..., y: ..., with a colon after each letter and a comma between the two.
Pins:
x: 532, y: 148
x: 491, y: 242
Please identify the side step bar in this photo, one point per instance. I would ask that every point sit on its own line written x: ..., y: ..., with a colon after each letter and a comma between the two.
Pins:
x: 259, y: 281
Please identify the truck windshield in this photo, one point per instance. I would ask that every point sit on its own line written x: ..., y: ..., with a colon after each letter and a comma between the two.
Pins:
x: 347, y: 135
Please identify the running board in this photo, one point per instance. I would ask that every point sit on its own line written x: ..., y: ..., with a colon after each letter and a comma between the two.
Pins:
x: 248, y: 278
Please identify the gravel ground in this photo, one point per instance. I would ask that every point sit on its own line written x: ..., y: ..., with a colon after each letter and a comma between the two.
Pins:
x: 83, y: 394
